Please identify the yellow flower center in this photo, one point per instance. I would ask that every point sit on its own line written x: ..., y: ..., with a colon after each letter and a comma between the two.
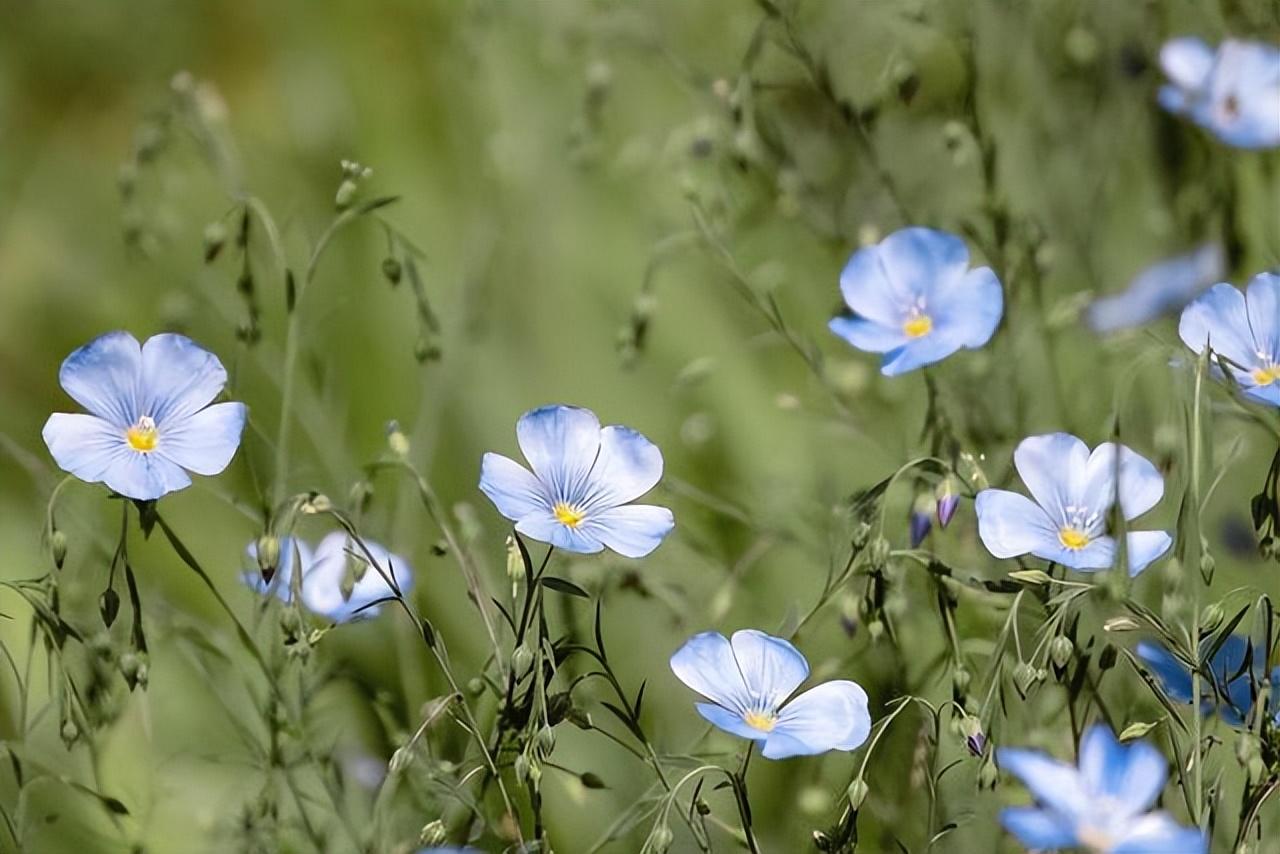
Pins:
x: 567, y: 515
x: 1073, y: 538
x: 760, y: 720
x: 1266, y: 376
x: 918, y: 325
x: 143, y: 436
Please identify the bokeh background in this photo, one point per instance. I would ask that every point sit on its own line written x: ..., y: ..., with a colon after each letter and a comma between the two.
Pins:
x: 549, y: 158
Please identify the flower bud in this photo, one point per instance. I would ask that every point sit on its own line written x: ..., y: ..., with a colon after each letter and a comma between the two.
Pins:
x: 861, y: 533
x: 659, y: 839
x: 1211, y: 617
x: 921, y: 521
x: 475, y: 686
x: 215, y: 237
x: 960, y: 680
x: 989, y: 775
x: 400, y: 760
x: 857, y: 793
x: 58, y: 548
x: 974, y: 737
x: 515, y: 564
x: 1207, y: 565
x: 268, y: 548
x: 392, y: 270
x: 973, y: 471
x: 546, y: 740
x: 879, y: 553
x: 1024, y: 677
x: 1107, y: 658
x: 346, y: 194
x: 316, y: 503
x: 521, y: 767
x: 433, y: 834
x: 948, y: 500
x: 1060, y: 651
x: 109, y: 606
x: 70, y: 732
x: 1121, y: 624
x: 397, y: 441
x: 875, y: 629
x: 521, y: 659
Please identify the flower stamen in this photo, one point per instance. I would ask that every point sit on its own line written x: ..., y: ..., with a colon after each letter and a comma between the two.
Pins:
x: 1267, y: 375
x: 762, y: 721
x: 918, y: 326
x: 1073, y: 538
x: 568, y: 515
x: 143, y: 435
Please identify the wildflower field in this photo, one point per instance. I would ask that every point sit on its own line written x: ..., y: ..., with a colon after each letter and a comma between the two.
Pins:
x: 593, y: 426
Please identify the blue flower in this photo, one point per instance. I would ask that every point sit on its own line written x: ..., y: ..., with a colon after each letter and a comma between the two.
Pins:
x: 1102, y: 805
x: 916, y: 300
x: 150, y: 420
x: 1232, y: 93
x: 1158, y: 290
x: 1245, y: 329
x: 577, y: 497
x: 1231, y: 692
x: 1074, y: 491
x: 748, y: 681
x: 336, y: 563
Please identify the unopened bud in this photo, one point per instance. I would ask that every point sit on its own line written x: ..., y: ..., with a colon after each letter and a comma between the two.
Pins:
x: 268, y: 548
x: 58, y: 548
x: 391, y: 270
x: 546, y: 740
x: 879, y: 553
x: 989, y: 775
x: 397, y: 441
x: 974, y: 738
x: 70, y: 732
x: 960, y: 680
x: 400, y: 760
x: 1211, y: 617
x: 109, y: 606
x: 515, y: 563
x: 1107, y: 658
x: 433, y: 834
x: 861, y: 533
x: 521, y: 659
x: 1024, y: 677
x: 521, y: 767
x: 875, y: 629
x: 660, y: 839
x: 1121, y: 624
x: 215, y: 237
x: 1060, y: 651
x: 1207, y: 565
x: 921, y: 521
x: 316, y: 503
x: 948, y: 500
x: 857, y: 793
x: 346, y: 194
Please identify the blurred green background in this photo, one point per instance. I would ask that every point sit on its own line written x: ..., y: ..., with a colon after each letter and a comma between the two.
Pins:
x: 548, y: 157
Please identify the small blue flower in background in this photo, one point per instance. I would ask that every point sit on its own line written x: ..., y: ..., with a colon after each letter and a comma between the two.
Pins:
x: 584, y: 477
x: 152, y: 417
x: 1159, y: 289
x: 1244, y: 328
x: 1233, y: 92
x: 1074, y: 491
x: 916, y: 300
x: 748, y: 680
x: 1104, y: 805
x: 1231, y: 693
x: 325, y: 570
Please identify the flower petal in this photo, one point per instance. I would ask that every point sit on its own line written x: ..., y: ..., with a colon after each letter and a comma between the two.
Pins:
x: 1131, y: 775
x: 830, y: 716
x: 84, y: 445
x: 543, y: 526
x: 628, y: 466
x: 868, y: 291
x: 1243, y: 90
x: 1163, y: 287
x: 1039, y: 829
x: 511, y: 487
x: 1219, y: 316
x: 145, y: 476
x: 868, y: 335
x: 205, y: 442
x: 1263, y: 302
x: 179, y: 377
x: 1269, y: 394
x: 771, y: 667
x: 633, y: 530
x: 919, y: 352
x: 969, y: 311
x: 1187, y: 62
x: 1054, y: 784
x: 1173, y: 675
x: 1054, y: 467
x: 1158, y: 833
x: 1100, y: 553
x: 1145, y: 547
x: 921, y: 262
x: 707, y: 665
x: 1011, y: 525
x: 729, y: 721
x: 1140, y: 485
x: 102, y: 376
x: 561, y: 444
x: 337, y: 555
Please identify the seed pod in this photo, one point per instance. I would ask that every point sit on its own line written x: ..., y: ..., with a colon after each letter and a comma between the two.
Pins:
x: 58, y: 547
x: 392, y: 270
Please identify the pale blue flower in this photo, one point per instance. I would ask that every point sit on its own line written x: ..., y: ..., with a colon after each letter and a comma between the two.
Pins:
x: 1157, y: 290
x: 1244, y: 328
x: 152, y: 417
x: 334, y: 564
x: 748, y: 681
x: 1231, y: 693
x: 915, y: 300
x: 1234, y: 93
x: 1074, y: 491
x: 584, y: 477
x: 1103, y: 805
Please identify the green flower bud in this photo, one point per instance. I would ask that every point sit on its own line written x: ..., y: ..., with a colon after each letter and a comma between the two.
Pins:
x: 1024, y: 677
x: 546, y: 740
x: 857, y: 793
x: 268, y: 548
x: 659, y: 839
x: 861, y: 533
x: 879, y: 553
x: 960, y: 680
x: 433, y: 834
x: 391, y: 270
x: 70, y: 732
x: 346, y: 194
x: 521, y: 659
x: 1211, y: 617
x: 58, y: 548
x: 521, y: 767
x: 397, y: 441
x: 400, y: 760
x: 215, y: 237
x: 515, y: 564
x: 1060, y: 651
x: 988, y: 775
x: 1207, y: 565
x: 475, y: 686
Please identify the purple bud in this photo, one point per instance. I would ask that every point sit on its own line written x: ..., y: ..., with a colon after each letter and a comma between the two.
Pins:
x: 976, y: 743
x: 947, y: 506
x: 920, y: 525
